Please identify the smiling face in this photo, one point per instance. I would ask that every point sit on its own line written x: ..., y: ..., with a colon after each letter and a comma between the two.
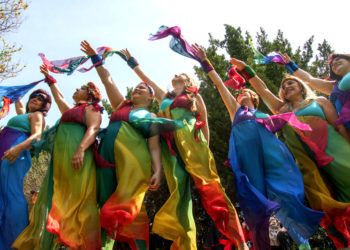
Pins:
x: 340, y: 66
x: 244, y: 97
x: 141, y: 94
x: 36, y: 102
x: 291, y: 88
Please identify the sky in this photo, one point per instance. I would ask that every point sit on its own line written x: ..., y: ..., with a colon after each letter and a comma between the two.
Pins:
x: 56, y: 29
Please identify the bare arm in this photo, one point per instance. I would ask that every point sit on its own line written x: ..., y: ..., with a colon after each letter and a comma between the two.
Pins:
x: 20, y: 109
x: 93, y: 122
x: 331, y: 115
x: 324, y: 86
x: 158, y: 91
x: 204, y: 117
x: 61, y: 102
x: 230, y: 102
x: 154, y: 149
x: 272, y: 101
x: 115, y: 97
x: 36, y: 126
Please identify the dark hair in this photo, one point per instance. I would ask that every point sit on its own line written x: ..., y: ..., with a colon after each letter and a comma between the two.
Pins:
x: 332, y: 75
x: 46, y: 103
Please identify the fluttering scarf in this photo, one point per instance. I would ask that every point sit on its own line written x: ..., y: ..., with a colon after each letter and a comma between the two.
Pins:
x: 69, y: 65
x: 11, y: 94
x: 181, y: 46
x: 177, y: 43
x: 271, y: 57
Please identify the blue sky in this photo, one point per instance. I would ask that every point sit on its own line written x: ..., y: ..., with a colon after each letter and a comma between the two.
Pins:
x: 57, y: 27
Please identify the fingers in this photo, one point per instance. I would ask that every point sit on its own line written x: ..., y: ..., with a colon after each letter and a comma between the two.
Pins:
x: 154, y: 183
x: 77, y: 163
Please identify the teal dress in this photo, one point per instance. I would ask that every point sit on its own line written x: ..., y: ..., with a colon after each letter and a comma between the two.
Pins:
x: 337, y: 170
x: 13, y: 204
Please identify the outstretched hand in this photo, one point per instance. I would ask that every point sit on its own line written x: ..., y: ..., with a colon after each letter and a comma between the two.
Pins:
x: 87, y: 49
x: 44, y: 70
x: 285, y: 57
x: 238, y: 63
x: 126, y: 53
x: 199, y: 52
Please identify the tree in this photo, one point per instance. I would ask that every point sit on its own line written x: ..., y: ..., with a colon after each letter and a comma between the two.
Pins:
x: 10, y: 19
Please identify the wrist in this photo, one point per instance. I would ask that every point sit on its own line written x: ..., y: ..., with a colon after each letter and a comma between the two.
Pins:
x: 132, y: 62
x: 97, y: 60
x: 248, y: 72
x: 50, y: 80
x: 206, y: 65
x: 291, y: 67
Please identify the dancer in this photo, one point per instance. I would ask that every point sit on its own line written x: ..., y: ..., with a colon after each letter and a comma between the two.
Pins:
x: 267, y: 180
x: 73, y: 216
x: 337, y: 86
x: 123, y: 212
x: 174, y: 221
x: 15, y: 162
x: 322, y: 151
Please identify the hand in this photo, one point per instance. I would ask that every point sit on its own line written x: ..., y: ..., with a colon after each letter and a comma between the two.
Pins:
x: 87, y: 49
x: 238, y: 63
x: 285, y: 57
x: 199, y: 52
x: 12, y: 154
x: 44, y: 70
x: 154, y: 183
x: 126, y: 53
x: 78, y: 159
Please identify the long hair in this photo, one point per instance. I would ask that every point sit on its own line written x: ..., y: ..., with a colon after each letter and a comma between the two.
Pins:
x: 307, y: 94
x: 45, y: 107
x: 332, y: 75
x: 190, y: 83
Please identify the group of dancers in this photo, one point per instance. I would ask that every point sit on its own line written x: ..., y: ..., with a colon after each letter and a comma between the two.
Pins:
x: 93, y: 193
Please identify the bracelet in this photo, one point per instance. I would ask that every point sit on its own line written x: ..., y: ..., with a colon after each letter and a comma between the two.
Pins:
x: 291, y: 67
x: 50, y: 80
x: 97, y: 60
x: 132, y: 62
x: 206, y: 65
x: 248, y: 72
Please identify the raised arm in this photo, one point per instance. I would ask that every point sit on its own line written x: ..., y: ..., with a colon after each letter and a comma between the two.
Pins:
x: 61, y: 102
x: 331, y: 115
x: 93, y: 122
x: 115, y: 97
x: 272, y: 101
x: 20, y: 109
x: 158, y: 91
x: 230, y: 102
x: 37, y: 122
x: 324, y: 86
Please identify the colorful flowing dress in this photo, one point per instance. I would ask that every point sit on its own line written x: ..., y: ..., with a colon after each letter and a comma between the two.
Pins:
x: 267, y: 181
x: 13, y: 204
x: 174, y: 221
x: 66, y: 205
x: 340, y: 97
x: 123, y: 213
x: 322, y: 156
